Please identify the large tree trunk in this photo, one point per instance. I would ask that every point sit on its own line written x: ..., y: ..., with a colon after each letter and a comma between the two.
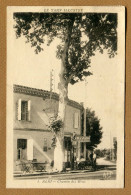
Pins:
x: 63, y: 96
x: 59, y: 148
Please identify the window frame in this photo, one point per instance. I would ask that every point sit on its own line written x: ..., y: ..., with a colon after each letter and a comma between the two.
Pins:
x: 24, y: 115
x: 24, y: 112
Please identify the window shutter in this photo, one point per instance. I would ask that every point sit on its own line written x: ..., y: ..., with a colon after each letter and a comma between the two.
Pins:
x: 19, y: 109
x: 76, y: 120
x: 29, y: 110
x: 30, y: 149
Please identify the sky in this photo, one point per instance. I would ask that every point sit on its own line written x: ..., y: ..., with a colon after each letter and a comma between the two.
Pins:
x: 102, y: 90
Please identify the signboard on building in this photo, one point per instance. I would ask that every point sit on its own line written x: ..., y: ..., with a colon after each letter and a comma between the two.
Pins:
x: 83, y: 139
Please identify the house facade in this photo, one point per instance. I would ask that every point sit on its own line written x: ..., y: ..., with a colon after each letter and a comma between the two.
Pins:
x: 32, y: 138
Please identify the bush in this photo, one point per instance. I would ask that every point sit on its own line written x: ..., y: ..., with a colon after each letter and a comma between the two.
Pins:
x: 56, y: 125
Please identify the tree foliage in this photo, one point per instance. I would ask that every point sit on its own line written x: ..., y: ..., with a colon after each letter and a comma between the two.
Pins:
x: 55, y: 125
x: 93, y: 128
x: 83, y: 34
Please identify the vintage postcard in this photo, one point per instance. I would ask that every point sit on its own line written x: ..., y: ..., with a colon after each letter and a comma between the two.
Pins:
x: 65, y: 97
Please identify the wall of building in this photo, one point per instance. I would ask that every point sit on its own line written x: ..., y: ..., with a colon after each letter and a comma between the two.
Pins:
x: 42, y: 108
x: 38, y: 144
x: 36, y: 129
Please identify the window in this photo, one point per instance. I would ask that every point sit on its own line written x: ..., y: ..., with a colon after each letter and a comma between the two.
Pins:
x: 82, y: 147
x: 45, y: 145
x: 24, y: 110
x: 22, y: 143
x: 76, y: 120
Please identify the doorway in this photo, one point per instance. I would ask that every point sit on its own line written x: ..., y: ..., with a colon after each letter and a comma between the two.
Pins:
x: 68, y: 149
x: 22, y: 149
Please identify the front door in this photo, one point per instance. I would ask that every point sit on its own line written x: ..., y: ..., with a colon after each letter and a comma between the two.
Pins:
x: 68, y: 148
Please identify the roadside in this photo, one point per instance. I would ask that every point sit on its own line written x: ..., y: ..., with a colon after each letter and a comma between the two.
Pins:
x: 102, y: 164
x: 103, y: 161
x: 83, y: 175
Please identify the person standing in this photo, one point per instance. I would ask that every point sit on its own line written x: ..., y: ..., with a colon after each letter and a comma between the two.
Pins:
x: 94, y: 160
x: 91, y: 158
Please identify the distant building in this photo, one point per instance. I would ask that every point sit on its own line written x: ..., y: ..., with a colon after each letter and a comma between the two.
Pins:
x: 32, y: 138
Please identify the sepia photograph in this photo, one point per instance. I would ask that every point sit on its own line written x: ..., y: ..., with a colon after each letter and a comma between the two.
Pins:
x: 65, y: 97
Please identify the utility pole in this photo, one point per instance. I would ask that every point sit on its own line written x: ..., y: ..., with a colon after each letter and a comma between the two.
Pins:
x: 110, y: 147
x: 52, y: 80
